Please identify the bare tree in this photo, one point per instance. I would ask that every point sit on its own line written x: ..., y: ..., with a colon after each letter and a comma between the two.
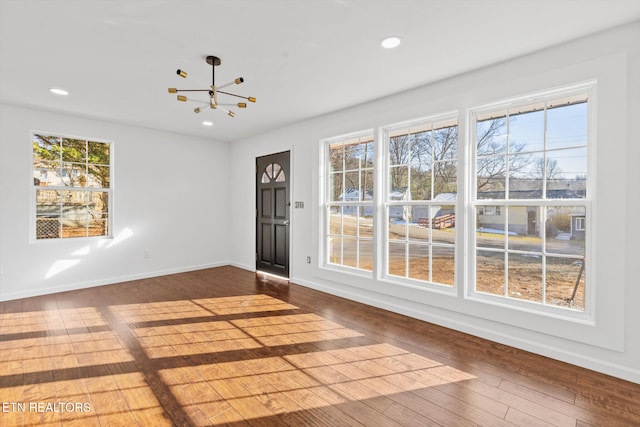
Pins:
x: 493, y: 162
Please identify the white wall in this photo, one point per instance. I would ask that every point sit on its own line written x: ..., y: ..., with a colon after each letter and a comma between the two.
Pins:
x: 170, y: 199
x: 608, y: 342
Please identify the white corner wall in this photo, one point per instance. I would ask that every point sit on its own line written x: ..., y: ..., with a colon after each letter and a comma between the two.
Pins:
x: 170, y: 199
x: 610, y: 343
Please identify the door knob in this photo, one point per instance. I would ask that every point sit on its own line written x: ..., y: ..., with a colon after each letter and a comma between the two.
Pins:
x: 286, y: 222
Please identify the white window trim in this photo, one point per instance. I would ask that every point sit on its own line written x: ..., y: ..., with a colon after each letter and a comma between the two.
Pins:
x: 32, y: 191
x: 383, y: 240
x: 586, y: 315
x: 326, y: 202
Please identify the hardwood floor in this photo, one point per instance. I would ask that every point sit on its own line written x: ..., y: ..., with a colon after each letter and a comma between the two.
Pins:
x: 226, y: 347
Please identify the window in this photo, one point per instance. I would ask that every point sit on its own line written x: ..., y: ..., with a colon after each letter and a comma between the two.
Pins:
x: 421, y: 199
x: 72, y: 188
x: 512, y: 201
x: 530, y: 202
x: 349, y: 201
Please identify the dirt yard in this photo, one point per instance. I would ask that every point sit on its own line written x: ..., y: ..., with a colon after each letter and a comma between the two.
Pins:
x: 525, y: 276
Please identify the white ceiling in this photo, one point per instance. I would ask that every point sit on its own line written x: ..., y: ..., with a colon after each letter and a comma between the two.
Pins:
x: 299, y: 58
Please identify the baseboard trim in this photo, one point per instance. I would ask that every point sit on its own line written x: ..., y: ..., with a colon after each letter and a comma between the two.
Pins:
x: 578, y: 359
x: 108, y: 281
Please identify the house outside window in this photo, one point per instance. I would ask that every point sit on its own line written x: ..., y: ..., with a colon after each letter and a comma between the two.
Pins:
x: 71, y: 186
x: 420, y: 199
x: 349, y: 204
x: 531, y: 201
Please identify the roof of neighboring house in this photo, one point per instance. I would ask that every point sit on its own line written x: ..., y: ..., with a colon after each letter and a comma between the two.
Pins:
x: 533, y: 194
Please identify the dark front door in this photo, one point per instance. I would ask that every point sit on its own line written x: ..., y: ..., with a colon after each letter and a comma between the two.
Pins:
x: 272, y: 213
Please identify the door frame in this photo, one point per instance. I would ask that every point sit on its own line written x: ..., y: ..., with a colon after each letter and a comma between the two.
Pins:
x: 289, y: 213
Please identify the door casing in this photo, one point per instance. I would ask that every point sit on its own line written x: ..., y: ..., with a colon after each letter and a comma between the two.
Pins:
x: 273, y: 212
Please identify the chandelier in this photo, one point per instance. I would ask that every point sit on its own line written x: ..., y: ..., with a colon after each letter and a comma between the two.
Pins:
x: 213, y: 91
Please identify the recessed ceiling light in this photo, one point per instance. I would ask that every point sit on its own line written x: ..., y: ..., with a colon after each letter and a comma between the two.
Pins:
x: 207, y: 123
x: 58, y: 91
x: 390, y: 42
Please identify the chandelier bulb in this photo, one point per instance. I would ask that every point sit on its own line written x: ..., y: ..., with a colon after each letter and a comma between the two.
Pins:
x: 239, y: 80
x: 231, y: 113
x: 251, y: 99
x: 173, y: 90
x: 242, y: 105
x: 181, y: 73
x: 196, y: 110
x: 182, y: 98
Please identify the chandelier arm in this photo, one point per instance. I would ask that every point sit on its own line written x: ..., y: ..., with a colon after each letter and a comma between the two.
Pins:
x: 233, y: 94
x: 193, y: 90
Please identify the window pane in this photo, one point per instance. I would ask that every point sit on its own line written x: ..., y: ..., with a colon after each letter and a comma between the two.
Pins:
x: 420, y: 182
x: 443, y: 224
x: 47, y: 214
x: 45, y: 148
x: 491, y: 136
x: 491, y: 173
x: 490, y: 272
x: 398, y: 178
x: 349, y: 220
x: 336, y: 157
x: 421, y: 147
x: 47, y: 173
x: 98, y: 176
x: 443, y: 265
x: 99, y: 153
x: 74, y: 213
x: 399, y: 150
x: 98, y: 227
x: 73, y: 174
x: 365, y: 222
x: 565, y: 230
x: 567, y: 126
x: 567, y: 173
x: 276, y: 169
x: 98, y: 203
x: 335, y: 250
x: 352, y: 187
x: 359, y: 156
x: 335, y: 187
x: 335, y: 220
x: 525, y: 277
x: 524, y: 228
x: 74, y: 150
x: 419, y: 229
x: 445, y: 178
x: 397, y: 259
x: 366, y: 179
x: 367, y: 154
x: 366, y: 255
x: 445, y: 143
x: 563, y: 277
x: 397, y: 223
x: 349, y: 252
x: 526, y: 179
x: 526, y: 132
x: 419, y: 262
x: 490, y: 227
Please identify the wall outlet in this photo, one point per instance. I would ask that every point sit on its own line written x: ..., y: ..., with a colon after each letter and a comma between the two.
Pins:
x: 308, y: 260
x: 147, y: 254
